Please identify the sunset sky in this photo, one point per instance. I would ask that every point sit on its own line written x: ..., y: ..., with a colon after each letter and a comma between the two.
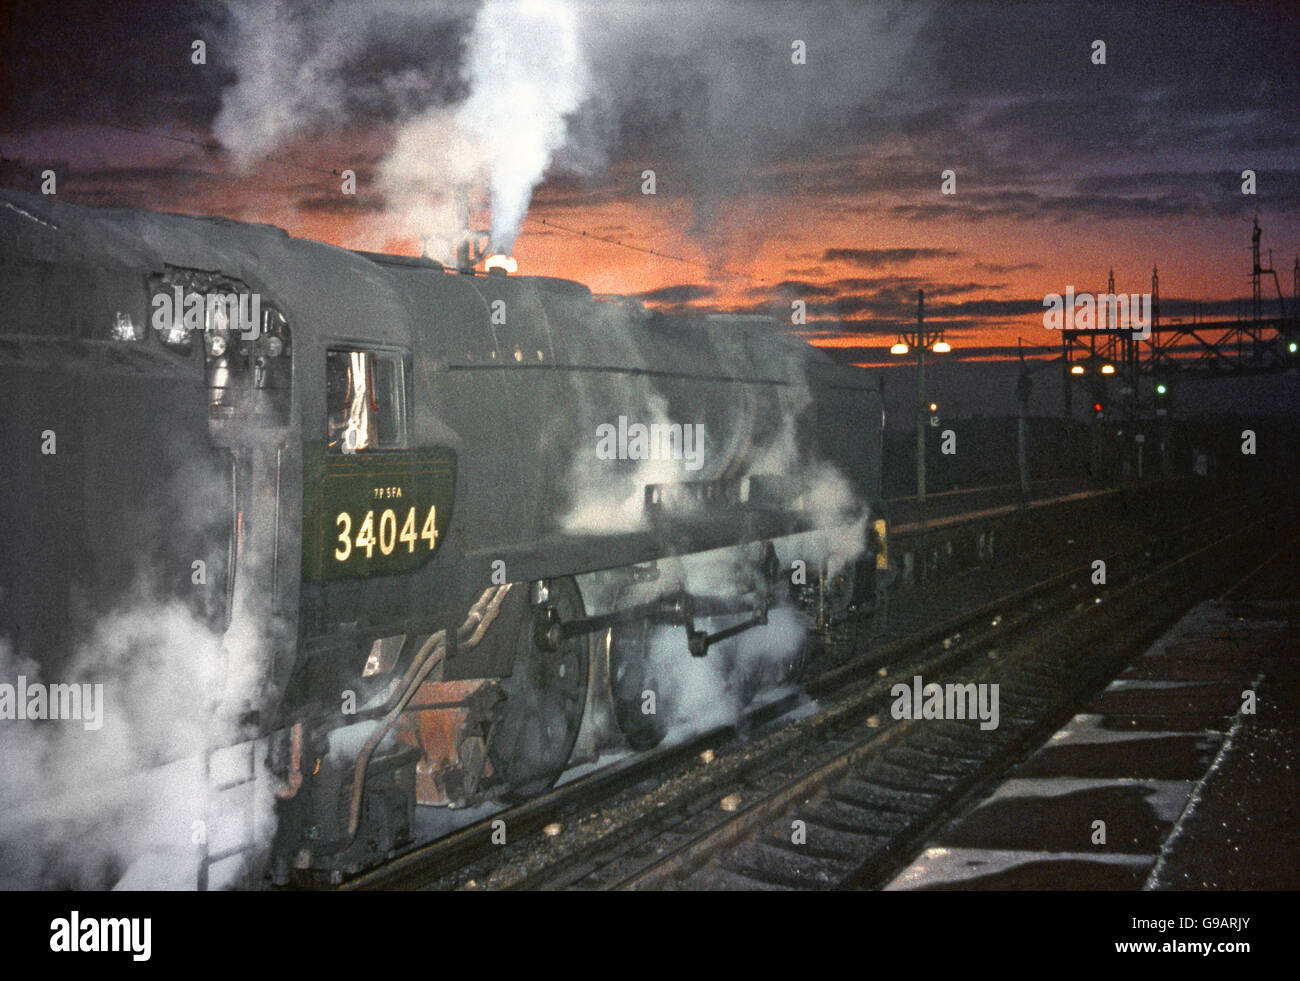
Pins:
x: 776, y: 180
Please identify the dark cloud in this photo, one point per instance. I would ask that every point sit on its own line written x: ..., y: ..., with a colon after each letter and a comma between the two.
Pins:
x: 850, y: 284
x: 1174, y: 309
x: 83, y: 61
x: 172, y: 177
x: 876, y: 258
x: 859, y: 299
x: 20, y: 172
x: 706, y: 94
x: 899, y: 303
x: 1172, y: 70
x: 1002, y: 268
x: 987, y: 308
x: 342, y: 204
x: 685, y: 293
x: 1122, y: 196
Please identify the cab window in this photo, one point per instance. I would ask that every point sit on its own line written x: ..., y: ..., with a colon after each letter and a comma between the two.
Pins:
x: 365, y: 395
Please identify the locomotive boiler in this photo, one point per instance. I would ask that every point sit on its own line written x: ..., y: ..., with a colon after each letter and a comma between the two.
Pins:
x: 441, y: 518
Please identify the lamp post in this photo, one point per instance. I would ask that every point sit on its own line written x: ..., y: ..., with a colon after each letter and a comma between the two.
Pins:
x: 920, y: 339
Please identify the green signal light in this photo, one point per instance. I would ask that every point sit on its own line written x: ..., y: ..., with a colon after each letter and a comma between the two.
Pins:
x: 1160, y: 390
x: 1291, y: 347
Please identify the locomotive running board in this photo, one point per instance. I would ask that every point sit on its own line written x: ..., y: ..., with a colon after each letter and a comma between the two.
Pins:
x: 574, y: 554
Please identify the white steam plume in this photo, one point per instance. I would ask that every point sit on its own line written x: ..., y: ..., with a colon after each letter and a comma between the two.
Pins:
x: 522, y: 65
x: 702, y: 693
x: 289, y: 68
x: 526, y: 73
x: 495, y: 96
x: 125, y: 803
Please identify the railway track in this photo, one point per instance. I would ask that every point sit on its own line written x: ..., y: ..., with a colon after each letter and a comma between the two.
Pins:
x: 856, y: 819
x: 657, y: 819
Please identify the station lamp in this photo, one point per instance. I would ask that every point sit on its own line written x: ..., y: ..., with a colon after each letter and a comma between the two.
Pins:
x: 918, y: 340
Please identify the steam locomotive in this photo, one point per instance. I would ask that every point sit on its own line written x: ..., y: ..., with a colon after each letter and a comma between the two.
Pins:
x: 440, y: 516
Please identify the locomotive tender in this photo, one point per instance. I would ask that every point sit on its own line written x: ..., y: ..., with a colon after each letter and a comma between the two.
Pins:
x: 424, y: 488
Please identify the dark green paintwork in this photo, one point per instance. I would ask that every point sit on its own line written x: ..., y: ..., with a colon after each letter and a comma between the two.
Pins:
x: 334, y: 484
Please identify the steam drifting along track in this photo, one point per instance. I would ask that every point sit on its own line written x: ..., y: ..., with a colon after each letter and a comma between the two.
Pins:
x: 867, y: 788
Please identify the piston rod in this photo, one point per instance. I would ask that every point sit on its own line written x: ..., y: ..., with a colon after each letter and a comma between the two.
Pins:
x: 550, y: 631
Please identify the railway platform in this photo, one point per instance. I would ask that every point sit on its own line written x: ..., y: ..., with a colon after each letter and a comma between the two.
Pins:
x: 1182, y: 774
